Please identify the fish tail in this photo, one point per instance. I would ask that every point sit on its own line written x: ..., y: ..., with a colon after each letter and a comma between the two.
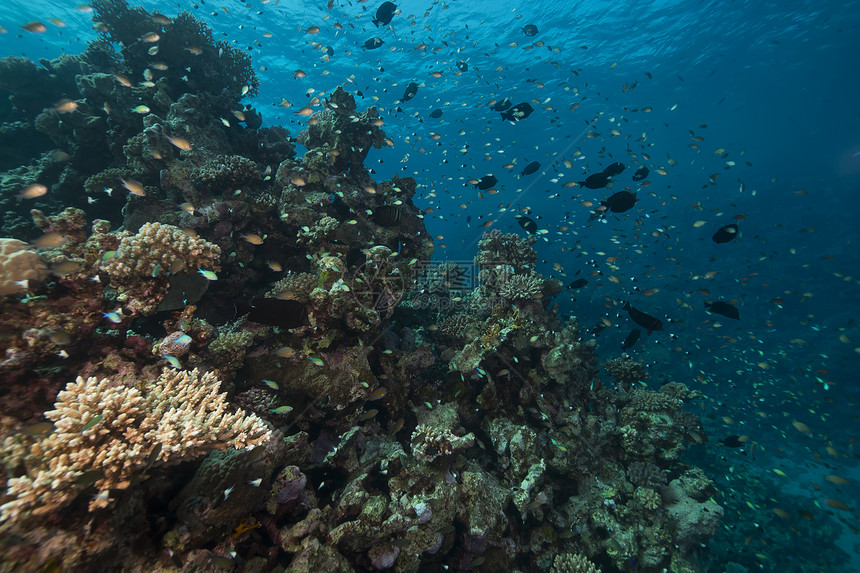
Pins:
x: 627, y: 307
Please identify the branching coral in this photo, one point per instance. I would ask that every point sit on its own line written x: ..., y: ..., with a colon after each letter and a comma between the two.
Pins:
x: 156, y: 249
x: 521, y: 287
x: 107, y: 433
x: 429, y: 443
x: 573, y: 563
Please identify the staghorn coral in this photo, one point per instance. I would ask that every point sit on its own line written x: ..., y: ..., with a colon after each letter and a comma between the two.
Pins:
x: 521, y: 287
x: 18, y: 265
x: 456, y: 326
x: 296, y: 286
x: 573, y: 563
x: 156, y: 249
x: 107, y: 433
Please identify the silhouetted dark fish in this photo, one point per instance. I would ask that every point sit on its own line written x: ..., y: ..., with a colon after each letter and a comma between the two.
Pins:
x: 387, y: 215
x: 384, y: 14
x: 530, y: 168
x: 724, y: 308
x: 614, y: 169
x: 530, y: 30
x: 285, y: 313
x: 502, y: 105
x: 631, y: 339
x: 641, y: 174
x: 518, y: 112
x: 528, y: 224
x: 578, y: 283
x: 410, y: 92
x: 726, y: 234
x: 732, y: 442
x: 595, y: 181
x: 646, y: 321
x: 329, y: 51
x: 486, y: 182
x: 436, y: 113
x: 373, y: 43
x: 620, y: 202
x: 462, y: 66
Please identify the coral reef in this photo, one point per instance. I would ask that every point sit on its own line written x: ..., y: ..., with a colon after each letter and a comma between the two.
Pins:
x: 401, y: 415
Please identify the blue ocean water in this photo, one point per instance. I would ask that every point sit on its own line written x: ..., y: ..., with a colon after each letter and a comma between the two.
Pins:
x: 744, y: 113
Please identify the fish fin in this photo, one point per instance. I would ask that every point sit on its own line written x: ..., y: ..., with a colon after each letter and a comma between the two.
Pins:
x: 627, y: 307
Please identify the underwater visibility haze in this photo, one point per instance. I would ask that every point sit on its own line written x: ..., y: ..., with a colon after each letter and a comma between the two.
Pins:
x: 429, y: 286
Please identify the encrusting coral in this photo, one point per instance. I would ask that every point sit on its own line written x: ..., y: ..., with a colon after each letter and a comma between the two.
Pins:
x: 106, y: 434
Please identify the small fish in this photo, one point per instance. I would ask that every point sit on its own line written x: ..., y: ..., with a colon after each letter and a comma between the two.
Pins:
x: 65, y: 106
x: 530, y: 30
x: 614, y: 169
x: 282, y: 410
x: 436, y: 113
x: 255, y: 482
x: 631, y: 339
x: 135, y: 187
x: 518, y: 112
x: 801, y: 427
x: 208, y: 275
x: 316, y: 361
x: 595, y: 181
x: 179, y: 142
x: 39, y: 429
x: 725, y: 234
x: 646, y: 321
x: 641, y: 174
x: 32, y: 191
x: 484, y: 182
x: 35, y: 27
x: 373, y: 43
x: 530, y: 168
x: 578, y: 283
x: 378, y: 394
x: 384, y: 14
x: 271, y: 384
x: 368, y: 415
x: 92, y: 422
x: 228, y: 491
x: 173, y: 361
x: 49, y: 240
x: 253, y: 238
x: 141, y: 109
x: 114, y: 317
x: 410, y: 92
x: 528, y: 225
x: 723, y: 308
x: 285, y: 352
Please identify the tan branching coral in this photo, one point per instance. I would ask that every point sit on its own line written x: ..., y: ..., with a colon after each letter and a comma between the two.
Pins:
x: 107, y: 433
x: 159, y: 248
x: 573, y: 563
x: 296, y: 286
x: 18, y: 264
x: 521, y: 287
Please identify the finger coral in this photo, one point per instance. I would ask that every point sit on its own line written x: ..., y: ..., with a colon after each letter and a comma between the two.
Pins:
x: 107, y: 433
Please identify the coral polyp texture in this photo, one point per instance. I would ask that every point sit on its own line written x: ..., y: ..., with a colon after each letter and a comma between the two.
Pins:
x: 105, y: 434
x: 270, y: 371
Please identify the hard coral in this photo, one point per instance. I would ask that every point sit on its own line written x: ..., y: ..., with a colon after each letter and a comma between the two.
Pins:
x: 158, y: 248
x: 18, y: 264
x: 107, y: 433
